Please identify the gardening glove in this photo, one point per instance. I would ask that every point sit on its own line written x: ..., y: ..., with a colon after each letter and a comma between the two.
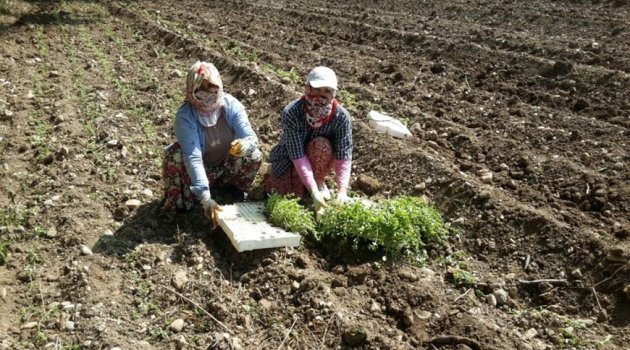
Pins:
x: 319, y: 203
x: 342, y: 197
x: 242, y: 147
x: 210, y: 209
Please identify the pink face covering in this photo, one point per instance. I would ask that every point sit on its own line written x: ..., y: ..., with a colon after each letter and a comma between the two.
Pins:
x: 319, y: 109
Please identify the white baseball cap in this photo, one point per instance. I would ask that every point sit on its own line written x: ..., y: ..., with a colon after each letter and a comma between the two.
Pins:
x: 322, y: 77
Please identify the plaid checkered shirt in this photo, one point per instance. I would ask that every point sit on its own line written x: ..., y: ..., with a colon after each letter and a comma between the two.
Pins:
x: 296, y: 133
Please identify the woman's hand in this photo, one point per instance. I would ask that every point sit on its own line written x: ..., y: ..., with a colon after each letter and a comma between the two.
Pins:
x: 211, y: 209
x: 241, y: 147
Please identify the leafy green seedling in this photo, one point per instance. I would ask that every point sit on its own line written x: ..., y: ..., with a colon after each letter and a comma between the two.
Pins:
x: 398, y: 225
x: 287, y: 213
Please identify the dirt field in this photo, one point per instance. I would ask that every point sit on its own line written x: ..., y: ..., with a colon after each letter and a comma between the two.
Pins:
x: 520, y: 112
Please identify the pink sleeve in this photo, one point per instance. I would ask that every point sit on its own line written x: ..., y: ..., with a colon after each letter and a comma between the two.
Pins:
x: 304, y: 170
x: 342, y: 170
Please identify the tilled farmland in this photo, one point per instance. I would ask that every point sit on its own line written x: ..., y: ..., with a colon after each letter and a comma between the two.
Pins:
x: 519, y: 112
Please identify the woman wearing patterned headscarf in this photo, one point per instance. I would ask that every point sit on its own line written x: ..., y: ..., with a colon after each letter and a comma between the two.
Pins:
x: 216, y: 145
x: 316, y: 137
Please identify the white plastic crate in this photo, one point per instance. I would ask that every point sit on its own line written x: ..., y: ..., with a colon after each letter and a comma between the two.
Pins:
x: 246, y: 226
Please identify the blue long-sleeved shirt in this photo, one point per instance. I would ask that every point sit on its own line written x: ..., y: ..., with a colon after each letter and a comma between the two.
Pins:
x: 191, y: 138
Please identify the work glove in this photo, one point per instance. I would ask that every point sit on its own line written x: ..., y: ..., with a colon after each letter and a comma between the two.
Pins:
x: 242, y: 147
x: 319, y: 203
x: 342, y: 198
x: 211, y: 209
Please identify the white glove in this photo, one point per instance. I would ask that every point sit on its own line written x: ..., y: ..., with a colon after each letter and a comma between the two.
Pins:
x: 210, y: 209
x: 242, y: 147
x: 319, y: 203
x: 342, y: 197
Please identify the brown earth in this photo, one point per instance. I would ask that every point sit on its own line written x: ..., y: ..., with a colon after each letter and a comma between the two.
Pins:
x: 520, y: 113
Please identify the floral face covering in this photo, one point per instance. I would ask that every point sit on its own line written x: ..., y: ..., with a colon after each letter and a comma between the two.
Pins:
x: 319, y: 109
x: 208, y: 106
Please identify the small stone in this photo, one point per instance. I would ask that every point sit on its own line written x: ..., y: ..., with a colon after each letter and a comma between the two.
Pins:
x: 410, y: 276
x: 576, y: 273
x: 3, y: 293
x: 408, y: 318
x: 29, y: 325
x: 147, y: 193
x: 124, y: 151
x: 112, y: 143
x: 501, y: 295
x: 237, y: 344
x: 602, y: 316
x: 67, y: 306
x: 491, y: 299
x: 181, y: 343
x: 108, y: 232
x: 530, y: 334
x: 375, y: 307
x: 133, y: 203
x: 626, y: 291
x: 486, y: 177
x: 295, y: 285
x: 179, y: 279
x: 367, y: 184
x: 251, y: 92
x: 85, y: 250
x: 420, y: 187
x: 143, y: 344
x: 431, y: 135
x: 485, y: 195
x: 177, y: 325
x: 265, y: 305
x: 68, y: 325
x: 504, y: 167
x: 416, y: 128
x: 423, y: 315
x: 618, y: 166
x: 51, y: 232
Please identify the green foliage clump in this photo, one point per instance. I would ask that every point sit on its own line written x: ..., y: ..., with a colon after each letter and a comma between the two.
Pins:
x: 289, y: 214
x: 4, y: 255
x: 398, y: 225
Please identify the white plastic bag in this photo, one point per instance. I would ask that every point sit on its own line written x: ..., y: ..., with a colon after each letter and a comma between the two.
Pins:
x: 388, y: 125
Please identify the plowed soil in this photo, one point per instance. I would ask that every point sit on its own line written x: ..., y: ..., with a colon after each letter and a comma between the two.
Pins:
x: 520, y: 112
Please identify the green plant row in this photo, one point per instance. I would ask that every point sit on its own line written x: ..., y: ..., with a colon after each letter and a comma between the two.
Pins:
x: 398, y: 225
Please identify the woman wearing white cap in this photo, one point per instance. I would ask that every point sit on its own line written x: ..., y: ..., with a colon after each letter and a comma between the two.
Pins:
x: 316, y: 137
x: 216, y: 145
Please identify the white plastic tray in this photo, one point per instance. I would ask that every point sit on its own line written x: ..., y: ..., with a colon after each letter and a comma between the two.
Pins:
x: 246, y: 226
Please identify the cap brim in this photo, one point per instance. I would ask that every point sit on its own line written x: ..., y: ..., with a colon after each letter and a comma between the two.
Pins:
x: 321, y: 83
